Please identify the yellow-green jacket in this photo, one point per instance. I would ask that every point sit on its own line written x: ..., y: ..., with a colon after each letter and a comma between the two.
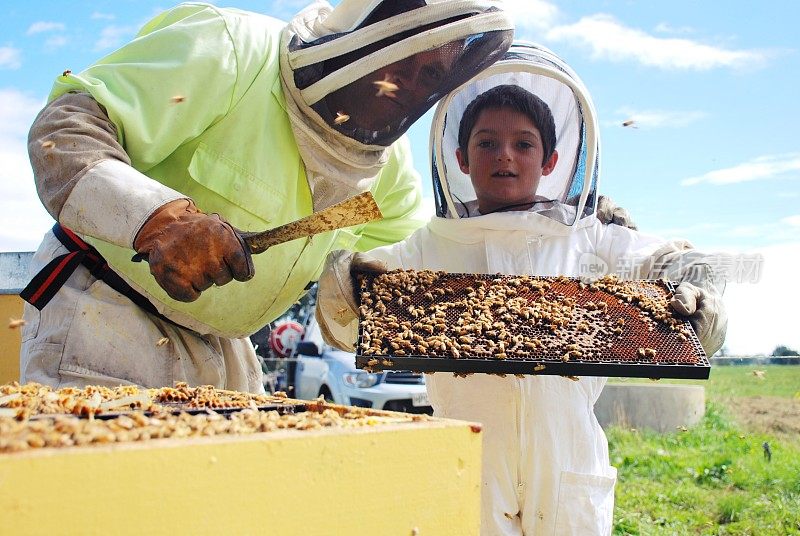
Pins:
x: 197, y: 102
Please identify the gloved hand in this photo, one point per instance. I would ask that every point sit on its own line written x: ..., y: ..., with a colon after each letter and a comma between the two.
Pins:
x: 705, y: 312
x: 337, y: 306
x: 188, y: 250
x: 609, y: 212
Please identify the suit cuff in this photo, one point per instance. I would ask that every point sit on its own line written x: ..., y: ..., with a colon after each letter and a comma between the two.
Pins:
x: 112, y: 201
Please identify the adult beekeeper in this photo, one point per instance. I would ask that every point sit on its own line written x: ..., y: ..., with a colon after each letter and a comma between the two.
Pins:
x: 515, y: 167
x: 213, y: 119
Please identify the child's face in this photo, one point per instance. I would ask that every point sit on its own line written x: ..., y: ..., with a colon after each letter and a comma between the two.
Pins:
x: 504, y: 160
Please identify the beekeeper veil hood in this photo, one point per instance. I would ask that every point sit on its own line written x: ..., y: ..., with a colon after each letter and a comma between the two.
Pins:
x: 357, y: 76
x: 569, y: 192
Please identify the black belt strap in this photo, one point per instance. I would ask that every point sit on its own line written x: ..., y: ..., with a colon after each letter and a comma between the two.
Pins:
x: 52, y: 277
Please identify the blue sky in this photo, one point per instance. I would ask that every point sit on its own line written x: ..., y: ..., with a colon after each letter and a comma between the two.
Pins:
x: 711, y: 88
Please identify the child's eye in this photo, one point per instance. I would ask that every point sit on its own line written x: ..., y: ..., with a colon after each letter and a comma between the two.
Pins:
x: 485, y: 144
x: 525, y: 145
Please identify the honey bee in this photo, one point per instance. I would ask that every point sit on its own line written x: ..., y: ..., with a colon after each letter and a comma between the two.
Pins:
x: 341, y: 117
x: 15, y: 323
x: 386, y: 87
x: 66, y: 72
x: 162, y: 341
x: 177, y: 98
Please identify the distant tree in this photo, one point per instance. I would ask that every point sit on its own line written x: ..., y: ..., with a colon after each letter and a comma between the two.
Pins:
x: 784, y: 350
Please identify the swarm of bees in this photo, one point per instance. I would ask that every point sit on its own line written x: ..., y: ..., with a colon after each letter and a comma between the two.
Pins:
x: 435, y: 314
x: 36, y: 416
x: 32, y: 399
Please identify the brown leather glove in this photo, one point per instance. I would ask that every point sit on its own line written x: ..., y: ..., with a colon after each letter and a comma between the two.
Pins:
x: 189, y: 250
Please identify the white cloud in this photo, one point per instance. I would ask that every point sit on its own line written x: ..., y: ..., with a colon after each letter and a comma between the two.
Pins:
x: 660, y: 118
x: 23, y: 220
x: 113, y: 36
x: 533, y: 15
x: 761, y: 168
x: 665, y: 27
x: 609, y: 39
x: 57, y: 41
x: 43, y: 26
x: 10, y: 58
x: 17, y: 111
x: 762, y: 316
x: 102, y: 16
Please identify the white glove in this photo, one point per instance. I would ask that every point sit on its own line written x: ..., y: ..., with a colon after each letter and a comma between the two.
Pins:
x: 705, y: 312
x: 337, y: 304
x: 609, y: 212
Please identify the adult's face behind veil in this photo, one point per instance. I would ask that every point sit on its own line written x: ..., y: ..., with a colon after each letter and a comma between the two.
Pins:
x: 394, y: 95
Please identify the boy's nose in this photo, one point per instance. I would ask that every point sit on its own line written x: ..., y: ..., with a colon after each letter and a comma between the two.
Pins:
x: 504, y: 152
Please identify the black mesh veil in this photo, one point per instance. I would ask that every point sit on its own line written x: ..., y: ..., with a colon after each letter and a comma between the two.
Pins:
x: 373, y: 81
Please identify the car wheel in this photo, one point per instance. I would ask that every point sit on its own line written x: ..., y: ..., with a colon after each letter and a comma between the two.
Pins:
x: 325, y: 392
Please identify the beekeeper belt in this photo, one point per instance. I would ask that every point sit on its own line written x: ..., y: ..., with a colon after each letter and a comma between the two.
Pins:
x: 52, y: 277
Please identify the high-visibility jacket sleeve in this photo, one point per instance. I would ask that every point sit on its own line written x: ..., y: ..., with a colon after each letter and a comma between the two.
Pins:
x: 398, y: 192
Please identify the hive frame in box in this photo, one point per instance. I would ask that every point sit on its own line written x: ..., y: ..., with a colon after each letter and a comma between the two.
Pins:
x: 688, y: 360
x: 176, y: 409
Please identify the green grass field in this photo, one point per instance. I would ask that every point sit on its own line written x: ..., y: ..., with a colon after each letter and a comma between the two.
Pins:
x: 714, y: 478
x: 739, y: 381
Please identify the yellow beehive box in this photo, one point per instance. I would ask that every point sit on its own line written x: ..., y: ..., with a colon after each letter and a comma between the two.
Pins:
x: 420, y: 477
x: 13, y: 277
x: 10, y: 309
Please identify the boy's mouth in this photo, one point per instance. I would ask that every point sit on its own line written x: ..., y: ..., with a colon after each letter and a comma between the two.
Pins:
x: 504, y: 174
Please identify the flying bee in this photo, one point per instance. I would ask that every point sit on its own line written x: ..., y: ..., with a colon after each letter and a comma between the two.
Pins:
x: 341, y: 117
x: 386, y: 88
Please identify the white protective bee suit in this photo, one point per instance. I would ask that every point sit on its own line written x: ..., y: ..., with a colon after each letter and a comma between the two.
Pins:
x: 545, y: 457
